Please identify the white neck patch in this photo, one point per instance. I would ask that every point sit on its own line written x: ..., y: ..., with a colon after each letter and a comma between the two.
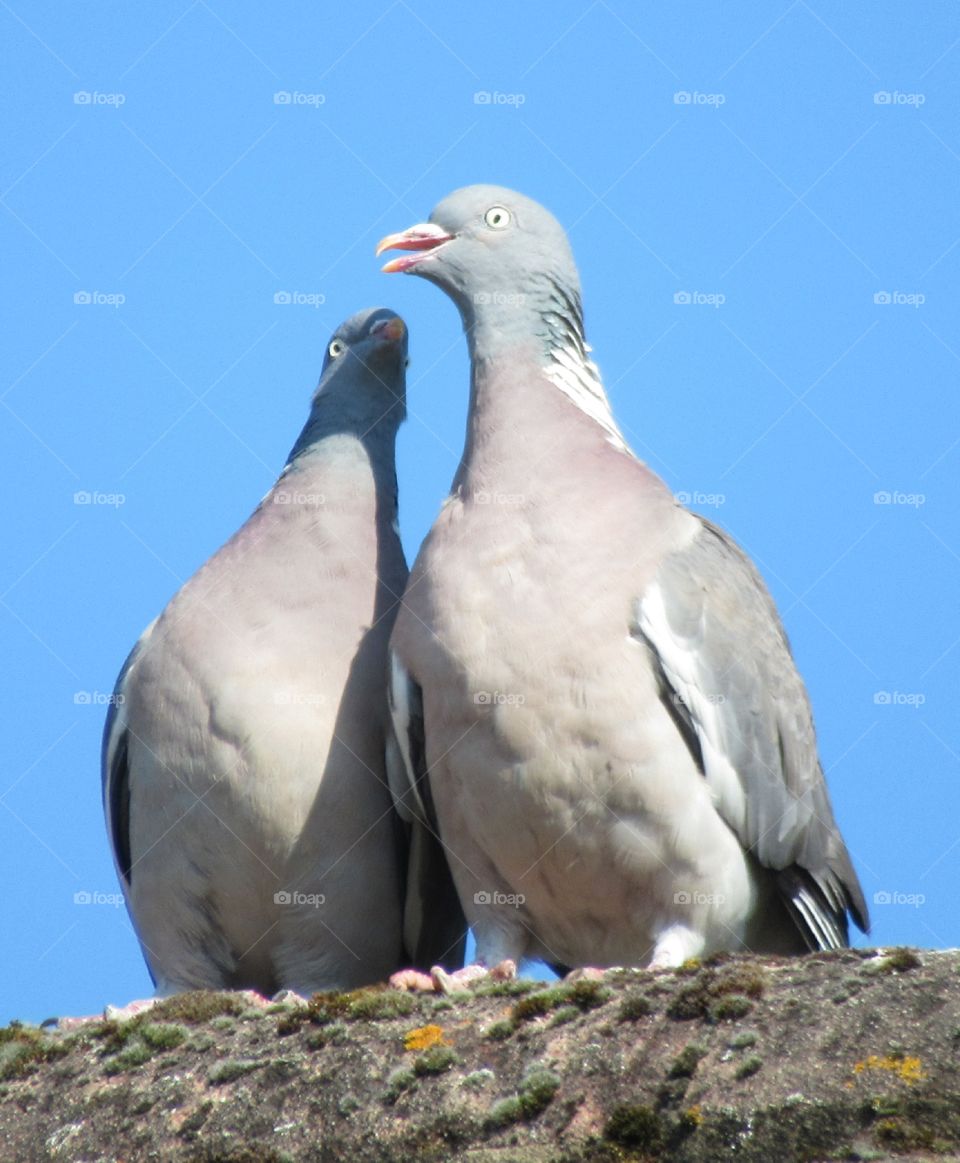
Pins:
x: 579, y: 380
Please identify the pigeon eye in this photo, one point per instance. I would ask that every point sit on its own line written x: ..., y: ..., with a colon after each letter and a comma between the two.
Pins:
x: 337, y: 347
x: 497, y: 217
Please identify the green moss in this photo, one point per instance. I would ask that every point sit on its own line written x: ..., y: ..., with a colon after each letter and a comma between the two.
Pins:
x: 686, y: 1062
x: 231, y: 1070
x: 379, y: 1004
x: 399, y: 1080
x: 516, y: 987
x: 709, y: 996
x: 435, y: 1061
x: 478, y: 1079
x: 900, y: 961
x: 537, y: 1089
x: 500, y: 1031
x: 23, y: 1049
x: 565, y: 1014
x: 637, y: 1127
x: 163, y: 1037
x: 584, y: 995
x: 730, y: 1008
x: 194, y: 1008
x: 635, y: 1006
x: 743, y: 1040
x: 749, y: 1066
x: 503, y: 1113
x: 132, y: 1057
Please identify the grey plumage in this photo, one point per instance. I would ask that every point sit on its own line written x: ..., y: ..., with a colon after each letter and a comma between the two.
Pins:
x: 244, y: 779
x: 615, y: 737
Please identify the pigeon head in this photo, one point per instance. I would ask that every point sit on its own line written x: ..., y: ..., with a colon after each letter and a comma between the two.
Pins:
x: 502, y: 258
x: 362, y: 388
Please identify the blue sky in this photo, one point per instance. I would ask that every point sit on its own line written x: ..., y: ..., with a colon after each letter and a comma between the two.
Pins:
x: 763, y: 204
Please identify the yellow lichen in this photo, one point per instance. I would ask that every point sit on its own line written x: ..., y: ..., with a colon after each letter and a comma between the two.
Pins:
x: 907, y: 1067
x: 694, y: 1115
x: 424, y: 1037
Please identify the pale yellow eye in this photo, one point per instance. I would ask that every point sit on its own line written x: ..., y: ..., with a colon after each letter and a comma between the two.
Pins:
x: 497, y: 217
x: 337, y: 347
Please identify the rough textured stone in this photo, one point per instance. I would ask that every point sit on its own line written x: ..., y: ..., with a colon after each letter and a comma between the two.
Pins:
x: 851, y: 1055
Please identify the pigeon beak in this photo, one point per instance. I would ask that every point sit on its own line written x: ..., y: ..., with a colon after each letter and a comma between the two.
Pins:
x: 390, y: 329
x: 423, y: 237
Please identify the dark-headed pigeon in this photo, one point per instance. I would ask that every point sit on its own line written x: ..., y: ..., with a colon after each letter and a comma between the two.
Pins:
x: 243, y: 762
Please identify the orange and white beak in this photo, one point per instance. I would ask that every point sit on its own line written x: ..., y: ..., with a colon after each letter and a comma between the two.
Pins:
x: 424, y: 237
x: 391, y: 329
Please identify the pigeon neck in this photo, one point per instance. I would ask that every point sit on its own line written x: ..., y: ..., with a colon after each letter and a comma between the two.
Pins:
x: 563, y: 353
x: 333, y: 422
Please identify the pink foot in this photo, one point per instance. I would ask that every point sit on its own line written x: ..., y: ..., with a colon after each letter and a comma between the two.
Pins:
x: 585, y: 973
x: 438, y: 980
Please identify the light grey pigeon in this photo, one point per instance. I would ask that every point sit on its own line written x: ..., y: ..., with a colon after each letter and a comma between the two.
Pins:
x: 618, y: 747
x: 243, y: 761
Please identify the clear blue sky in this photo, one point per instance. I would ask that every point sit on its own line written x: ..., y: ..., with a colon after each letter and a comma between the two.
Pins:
x: 791, y: 170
